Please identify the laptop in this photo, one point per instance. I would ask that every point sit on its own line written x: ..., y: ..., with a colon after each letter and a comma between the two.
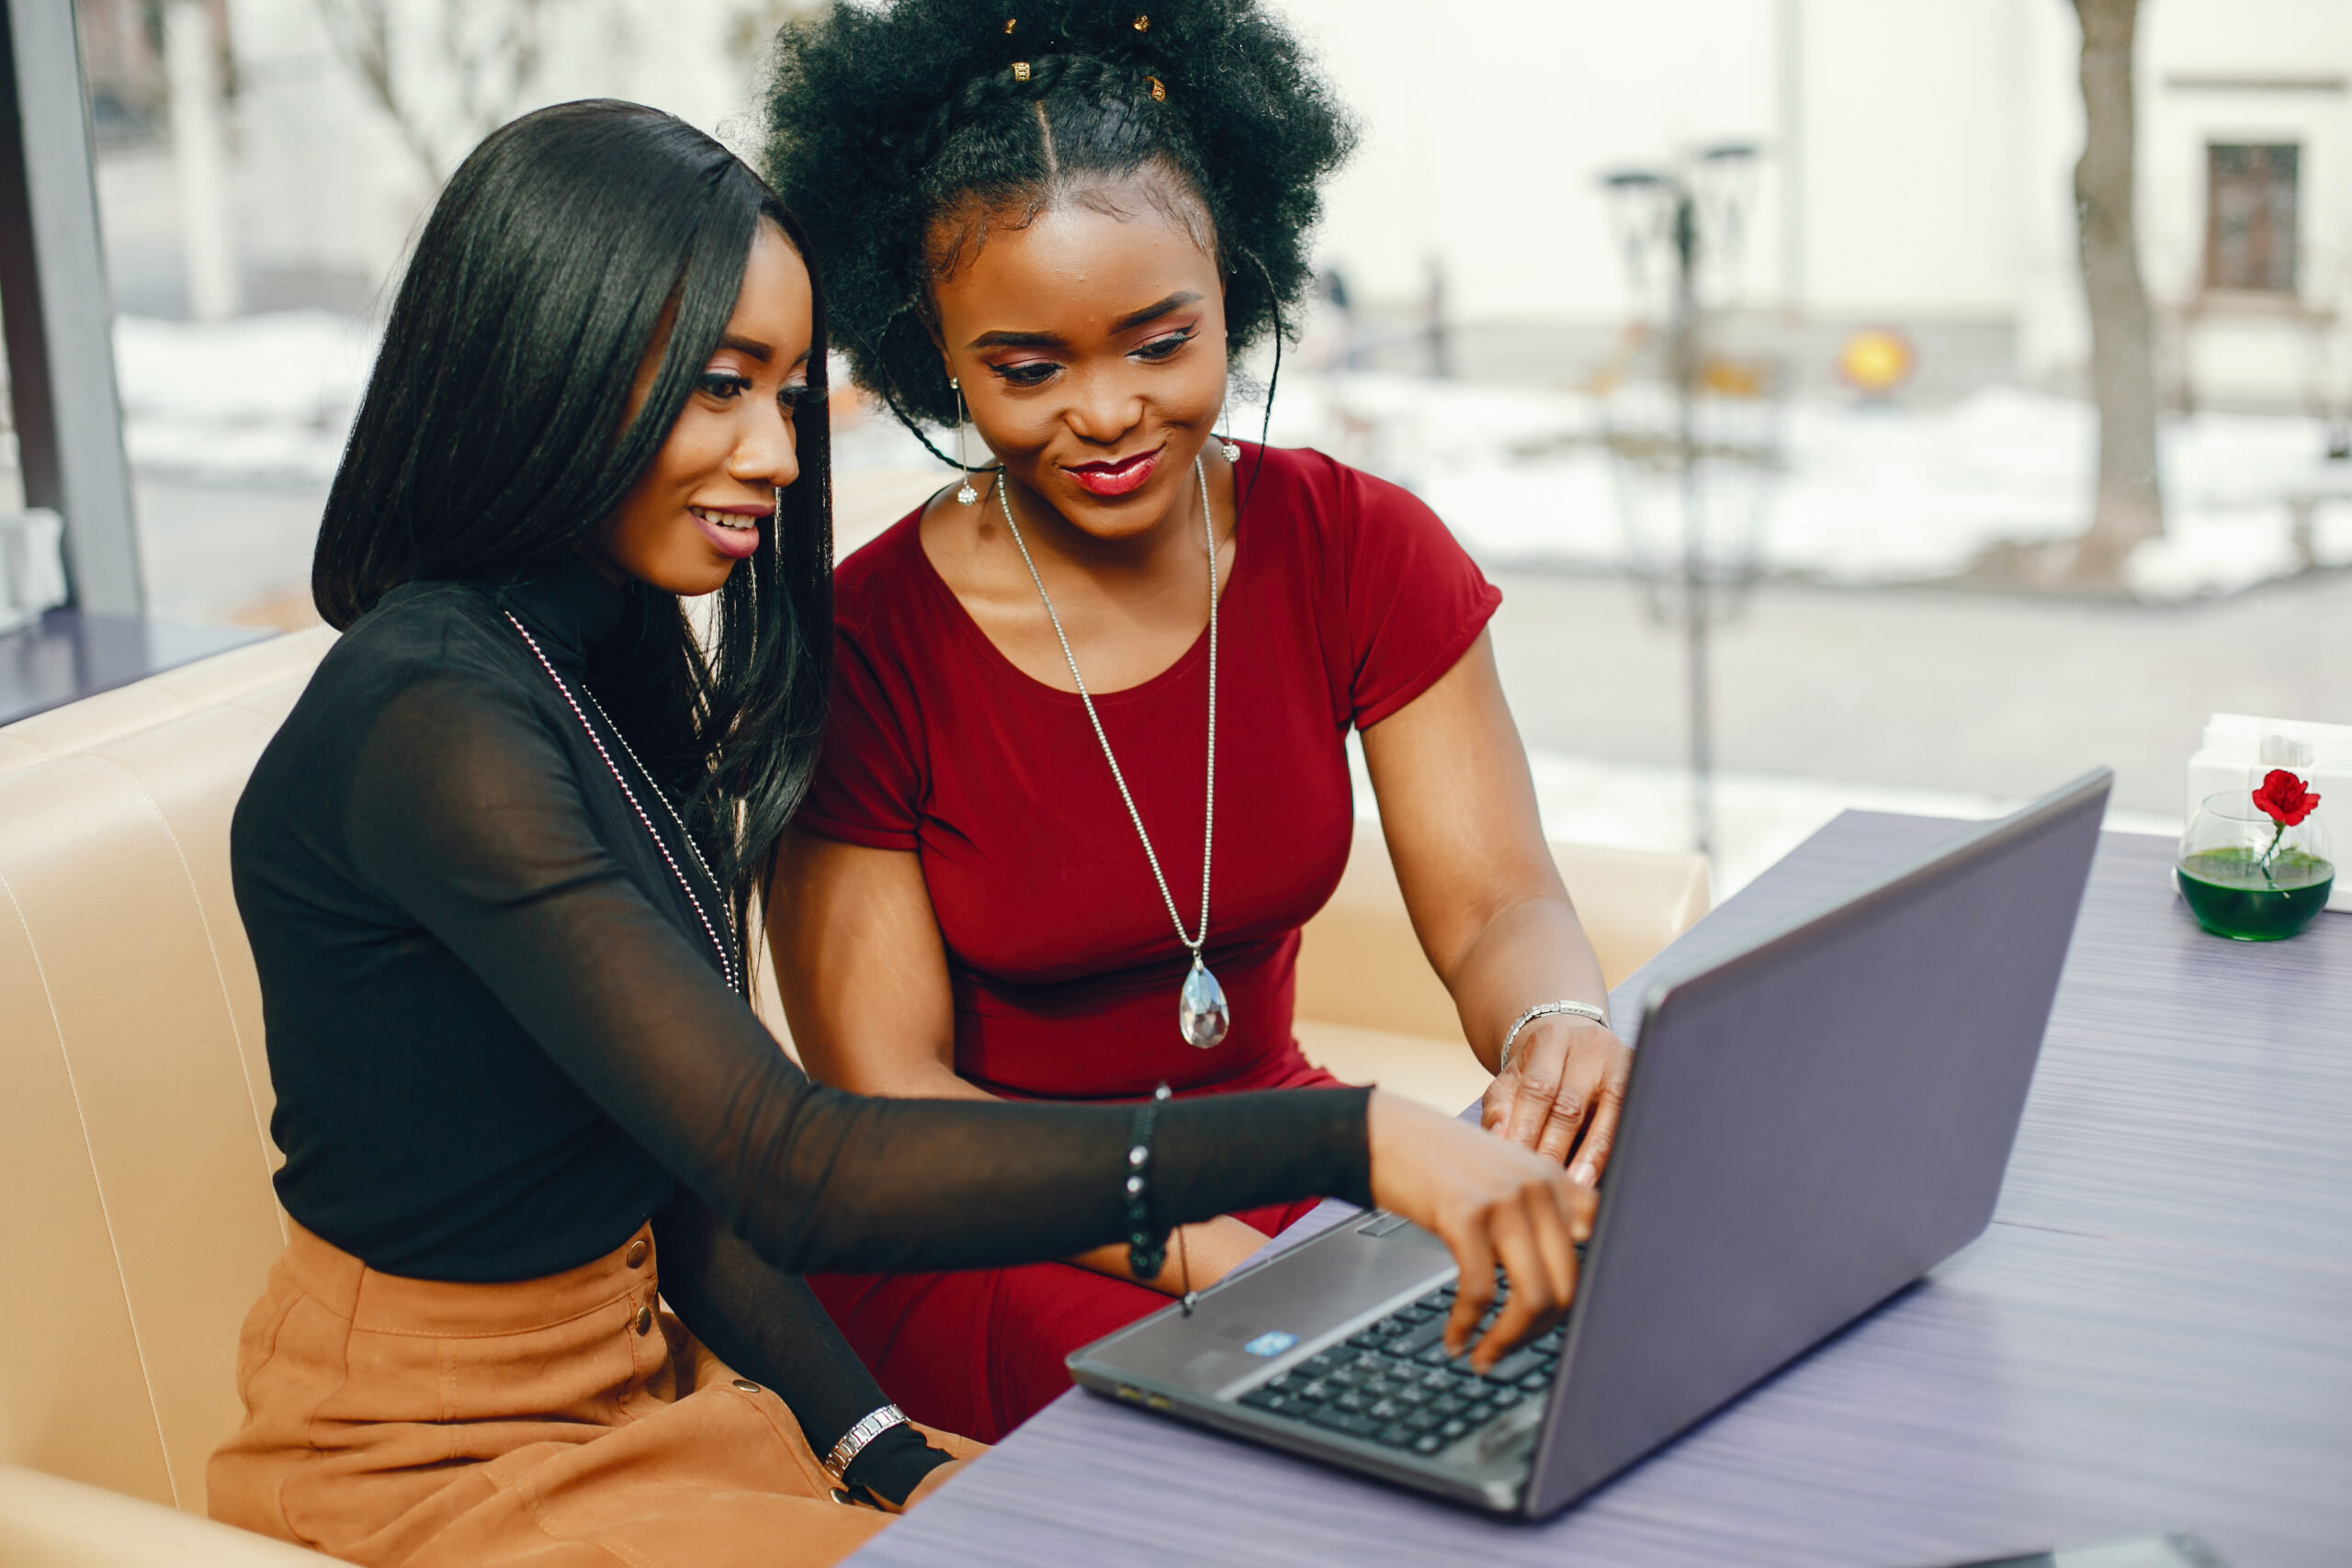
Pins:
x: 1814, y: 1122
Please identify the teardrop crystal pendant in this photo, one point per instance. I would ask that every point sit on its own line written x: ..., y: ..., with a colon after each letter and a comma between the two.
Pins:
x: 968, y: 496
x: 1201, y: 1014
x: 1232, y: 450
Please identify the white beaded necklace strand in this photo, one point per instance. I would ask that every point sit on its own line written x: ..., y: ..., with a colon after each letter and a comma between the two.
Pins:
x: 727, y: 917
x: 1202, y: 1016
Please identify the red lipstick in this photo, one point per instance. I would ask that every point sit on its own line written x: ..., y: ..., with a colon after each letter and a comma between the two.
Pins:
x: 1116, y: 479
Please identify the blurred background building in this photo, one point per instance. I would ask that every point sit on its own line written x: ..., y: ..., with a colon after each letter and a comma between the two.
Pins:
x: 1917, y: 173
x: 1897, y: 309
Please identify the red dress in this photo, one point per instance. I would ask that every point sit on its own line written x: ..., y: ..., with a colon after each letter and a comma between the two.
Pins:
x: 1348, y: 598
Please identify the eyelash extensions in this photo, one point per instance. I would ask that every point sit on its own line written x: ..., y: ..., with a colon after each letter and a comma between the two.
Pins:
x: 1036, y: 372
x: 726, y: 387
x: 1160, y: 348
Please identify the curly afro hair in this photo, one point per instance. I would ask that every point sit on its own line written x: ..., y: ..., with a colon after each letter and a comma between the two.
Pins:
x: 897, y: 132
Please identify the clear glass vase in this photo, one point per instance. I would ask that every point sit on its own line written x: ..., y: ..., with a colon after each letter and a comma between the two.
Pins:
x: 2248, y: 878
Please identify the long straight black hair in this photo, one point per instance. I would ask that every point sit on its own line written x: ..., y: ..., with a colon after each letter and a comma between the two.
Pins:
x: 494, y: 436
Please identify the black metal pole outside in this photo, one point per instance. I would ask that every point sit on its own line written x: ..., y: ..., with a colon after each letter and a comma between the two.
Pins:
x: 1697, y: 609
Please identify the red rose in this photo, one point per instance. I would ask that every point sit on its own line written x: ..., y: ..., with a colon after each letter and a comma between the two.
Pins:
x: 2285, y: 799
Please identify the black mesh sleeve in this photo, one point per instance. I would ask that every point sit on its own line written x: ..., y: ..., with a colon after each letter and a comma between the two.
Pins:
x: 465, y: 812
x: 767, y: 1325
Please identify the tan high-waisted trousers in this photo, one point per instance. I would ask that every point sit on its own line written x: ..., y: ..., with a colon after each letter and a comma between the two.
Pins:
x: 563, y: 1423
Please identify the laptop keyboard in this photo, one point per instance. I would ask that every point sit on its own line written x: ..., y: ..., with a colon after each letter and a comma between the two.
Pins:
x: 1392, y: 1382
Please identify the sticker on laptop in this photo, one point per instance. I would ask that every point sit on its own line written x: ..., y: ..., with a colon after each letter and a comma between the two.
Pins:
x: 1273, y: 1342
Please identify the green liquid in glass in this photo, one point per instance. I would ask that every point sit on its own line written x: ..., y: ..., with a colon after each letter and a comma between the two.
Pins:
x: 2233, y: 894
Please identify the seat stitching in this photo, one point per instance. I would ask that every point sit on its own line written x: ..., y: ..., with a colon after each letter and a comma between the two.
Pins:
x: 86, y: 747
x: 106, y: 1211
x: 220, y: 977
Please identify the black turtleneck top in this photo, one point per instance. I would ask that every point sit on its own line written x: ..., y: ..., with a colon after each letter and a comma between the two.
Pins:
x: 501, y: 1039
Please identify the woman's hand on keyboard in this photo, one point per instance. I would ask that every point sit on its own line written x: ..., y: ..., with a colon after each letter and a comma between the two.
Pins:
x: 1491, y: 1202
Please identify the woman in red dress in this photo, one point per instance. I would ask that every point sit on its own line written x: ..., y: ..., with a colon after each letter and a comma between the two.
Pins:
x: 1086, y: 768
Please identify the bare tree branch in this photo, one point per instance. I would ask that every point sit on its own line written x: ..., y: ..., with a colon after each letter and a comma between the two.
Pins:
x: 361, y: 32
x: 485, y: 55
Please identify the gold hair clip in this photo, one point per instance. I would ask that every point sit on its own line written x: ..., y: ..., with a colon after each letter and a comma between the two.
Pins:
x: 1158, y: 93
x: 1142, y: 24
x: 1010, y: 23
x: 1021, y: 71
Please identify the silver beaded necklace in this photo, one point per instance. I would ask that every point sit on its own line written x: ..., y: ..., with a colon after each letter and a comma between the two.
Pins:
x: 725, y: 916
x: 1202, y: 1016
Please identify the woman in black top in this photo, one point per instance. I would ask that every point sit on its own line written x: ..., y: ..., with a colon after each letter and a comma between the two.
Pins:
x: 495, y: 869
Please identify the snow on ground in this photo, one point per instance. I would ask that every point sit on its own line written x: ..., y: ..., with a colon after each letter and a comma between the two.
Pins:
x: 265, y: 398
x: 1864, y: 494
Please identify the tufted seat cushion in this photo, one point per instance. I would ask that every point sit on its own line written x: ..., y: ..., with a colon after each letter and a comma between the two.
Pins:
x: 135, y: 1096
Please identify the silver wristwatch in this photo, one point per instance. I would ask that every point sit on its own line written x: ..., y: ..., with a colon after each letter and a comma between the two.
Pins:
x: 1544, y: 1009
x: 853, y: 1441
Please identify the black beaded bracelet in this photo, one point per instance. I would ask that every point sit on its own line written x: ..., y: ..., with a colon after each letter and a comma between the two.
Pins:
x: 1147, y: 1246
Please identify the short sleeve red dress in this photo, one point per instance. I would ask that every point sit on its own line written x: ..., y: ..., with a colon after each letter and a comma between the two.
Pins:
x: 1348, y: 598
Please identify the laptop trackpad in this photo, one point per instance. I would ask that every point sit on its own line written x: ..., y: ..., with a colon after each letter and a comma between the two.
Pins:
x: 1274, y: 1316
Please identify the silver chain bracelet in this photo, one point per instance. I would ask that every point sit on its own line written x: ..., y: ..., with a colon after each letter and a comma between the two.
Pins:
x: 1544, y: 1009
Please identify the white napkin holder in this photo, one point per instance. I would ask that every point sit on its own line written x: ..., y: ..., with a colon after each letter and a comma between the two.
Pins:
x: 32, y: 566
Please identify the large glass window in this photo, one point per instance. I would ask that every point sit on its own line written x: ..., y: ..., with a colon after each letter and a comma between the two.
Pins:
x: 1921, y: 577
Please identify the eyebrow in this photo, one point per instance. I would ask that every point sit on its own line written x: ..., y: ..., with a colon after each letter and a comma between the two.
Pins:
x: 758, y: 351
x: 1132, y: 319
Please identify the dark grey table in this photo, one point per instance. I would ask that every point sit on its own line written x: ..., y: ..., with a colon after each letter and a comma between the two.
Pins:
x: 70, y: 654
x: 2156, y: 1333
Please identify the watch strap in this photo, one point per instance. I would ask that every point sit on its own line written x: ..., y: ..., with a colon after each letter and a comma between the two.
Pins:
x: 869, y: 1427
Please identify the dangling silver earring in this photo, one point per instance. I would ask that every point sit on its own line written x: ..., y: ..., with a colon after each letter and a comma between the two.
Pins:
x: 1232, y: 448
x: 967, y: 496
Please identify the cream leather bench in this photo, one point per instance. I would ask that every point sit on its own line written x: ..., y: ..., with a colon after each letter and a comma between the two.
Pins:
x: 45, y: 1522
x: 135, y: 1098
x: 134, y: 1106
x: 1370, y: 1009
